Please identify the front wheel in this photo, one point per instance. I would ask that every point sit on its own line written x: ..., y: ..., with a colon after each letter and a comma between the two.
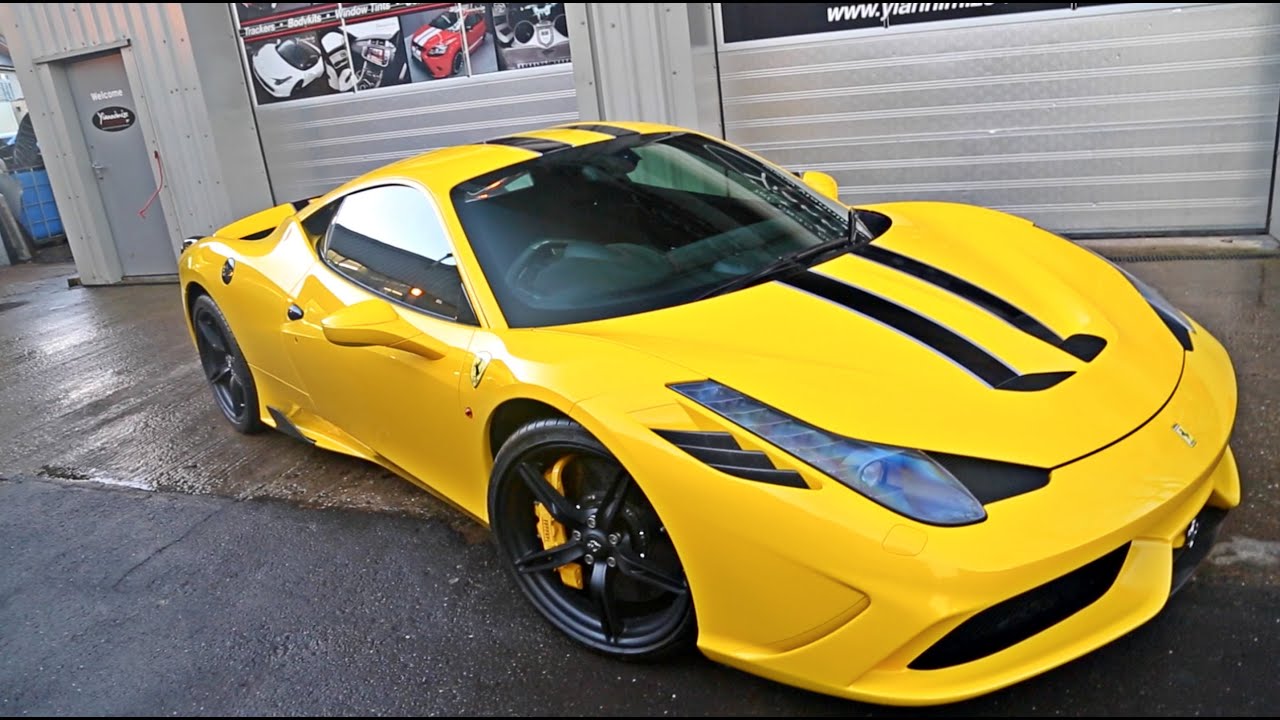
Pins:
x: 586, y: 546
x: 458, y: 63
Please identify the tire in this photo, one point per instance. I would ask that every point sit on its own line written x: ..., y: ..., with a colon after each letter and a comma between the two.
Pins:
x: 633, y: 600
x: 458, y: 64
x: 224, y: 367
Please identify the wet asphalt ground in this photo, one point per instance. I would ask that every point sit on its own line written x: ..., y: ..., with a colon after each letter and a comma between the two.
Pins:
x: 152, y: 561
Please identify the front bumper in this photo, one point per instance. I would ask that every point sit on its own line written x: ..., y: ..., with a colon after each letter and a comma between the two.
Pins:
x: 813, y: 588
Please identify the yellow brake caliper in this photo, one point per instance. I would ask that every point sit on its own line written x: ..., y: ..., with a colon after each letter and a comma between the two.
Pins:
x: 551, y: 530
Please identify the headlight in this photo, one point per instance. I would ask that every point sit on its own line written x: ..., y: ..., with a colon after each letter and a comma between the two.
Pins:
x: 905, y: 481
x: 437, y: 50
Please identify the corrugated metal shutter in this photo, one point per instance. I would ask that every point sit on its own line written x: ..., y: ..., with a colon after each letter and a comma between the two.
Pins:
x: 1140, y: 121
x: 313, y: 146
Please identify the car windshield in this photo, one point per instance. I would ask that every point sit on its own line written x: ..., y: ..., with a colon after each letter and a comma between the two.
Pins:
x: 633, y: 224
x: 299, y: 54
x: 445, y: 20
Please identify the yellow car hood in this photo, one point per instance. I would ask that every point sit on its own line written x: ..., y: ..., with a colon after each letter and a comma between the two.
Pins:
x: 846, y: 372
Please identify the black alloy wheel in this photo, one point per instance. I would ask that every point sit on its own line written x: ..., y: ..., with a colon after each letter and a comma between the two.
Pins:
x: 628, y: 596
x: 224, y: 366
x: 458, y: 61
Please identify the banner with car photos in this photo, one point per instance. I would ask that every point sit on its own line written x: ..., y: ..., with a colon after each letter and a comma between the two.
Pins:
x: 742, y: 22
x: 305, y: 50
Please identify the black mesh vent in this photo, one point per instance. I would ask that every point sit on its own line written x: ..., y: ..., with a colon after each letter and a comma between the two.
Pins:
x: 1196, y: 546
x: 722, y: 452
x: 1010, y: 622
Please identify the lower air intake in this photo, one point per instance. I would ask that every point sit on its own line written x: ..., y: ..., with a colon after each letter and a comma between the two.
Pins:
x: 1010, y: 622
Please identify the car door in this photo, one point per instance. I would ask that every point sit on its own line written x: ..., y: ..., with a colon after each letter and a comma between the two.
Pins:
x: 383, y: 326
x: 474, y: 24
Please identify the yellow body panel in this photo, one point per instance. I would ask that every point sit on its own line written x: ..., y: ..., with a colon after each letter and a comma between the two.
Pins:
x: 817, y: 587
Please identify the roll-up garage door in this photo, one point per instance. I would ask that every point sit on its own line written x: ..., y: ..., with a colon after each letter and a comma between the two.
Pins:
x: 342, y: 88
x: 1089, y: 118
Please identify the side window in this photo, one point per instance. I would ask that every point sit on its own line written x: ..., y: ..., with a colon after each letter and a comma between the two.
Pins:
x: 317, y: 223
x: 473, y: 20
x: 390, y: 240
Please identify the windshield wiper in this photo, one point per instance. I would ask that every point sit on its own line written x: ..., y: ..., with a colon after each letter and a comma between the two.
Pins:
x: 791, y: 262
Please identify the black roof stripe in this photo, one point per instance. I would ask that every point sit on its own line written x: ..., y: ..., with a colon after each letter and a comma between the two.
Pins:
x: 611, y: 130
x: 535, y: 144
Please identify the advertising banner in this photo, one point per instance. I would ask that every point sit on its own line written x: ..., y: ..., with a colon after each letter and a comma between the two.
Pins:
x: 305, y: 50
x: 743, y: 22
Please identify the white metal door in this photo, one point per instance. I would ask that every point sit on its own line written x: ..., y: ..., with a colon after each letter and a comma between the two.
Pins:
x: 118, y: 155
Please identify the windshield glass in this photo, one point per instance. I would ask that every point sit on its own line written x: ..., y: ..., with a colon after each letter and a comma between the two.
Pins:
x: 444, y: 21
x: 298, y: 53
x: 634, y: 224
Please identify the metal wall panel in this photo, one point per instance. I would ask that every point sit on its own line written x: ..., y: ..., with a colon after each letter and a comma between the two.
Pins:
x: 313, y: 146
x: 1149, y: 120
x: 157, y: 35
x: 175, y: 111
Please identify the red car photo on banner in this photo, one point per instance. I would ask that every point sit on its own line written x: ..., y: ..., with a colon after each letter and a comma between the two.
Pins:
x: 442, y: 44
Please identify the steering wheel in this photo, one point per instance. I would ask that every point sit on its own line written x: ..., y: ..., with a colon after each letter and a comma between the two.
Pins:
x: 531, y: 261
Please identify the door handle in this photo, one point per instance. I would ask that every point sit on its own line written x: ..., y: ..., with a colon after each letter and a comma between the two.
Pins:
x: 294, y: 312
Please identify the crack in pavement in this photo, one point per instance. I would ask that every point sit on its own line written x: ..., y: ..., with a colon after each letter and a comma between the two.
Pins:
x: 116, y: 585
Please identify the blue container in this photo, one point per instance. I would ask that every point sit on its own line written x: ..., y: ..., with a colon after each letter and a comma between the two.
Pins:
x: 39, y: 211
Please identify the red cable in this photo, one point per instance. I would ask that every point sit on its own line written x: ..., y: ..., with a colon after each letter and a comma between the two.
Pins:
x: 160, y: 165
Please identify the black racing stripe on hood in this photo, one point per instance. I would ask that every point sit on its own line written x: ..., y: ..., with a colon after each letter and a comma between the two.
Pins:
x: 610, y: 130
x: 945, y: 342
x: 535, y: 144
x: 999, y: 307
x: 1083, y: 347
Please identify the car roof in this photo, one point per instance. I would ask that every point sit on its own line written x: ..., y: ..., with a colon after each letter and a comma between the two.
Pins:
x: 442, y: 169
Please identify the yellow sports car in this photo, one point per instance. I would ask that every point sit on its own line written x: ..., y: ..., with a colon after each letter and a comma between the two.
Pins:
x: 906, y: 454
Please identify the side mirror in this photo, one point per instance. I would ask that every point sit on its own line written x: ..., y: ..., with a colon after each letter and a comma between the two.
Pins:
x: 822, y: 182
x: 375, y: 323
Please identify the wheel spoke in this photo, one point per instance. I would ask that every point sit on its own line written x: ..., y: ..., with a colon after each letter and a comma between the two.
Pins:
x: 211, y: 335
x: 236, y: 388
x: 642, y: 570
x: 219, y: 373
x: 601, y: 591
x: 551, y: 558
x: 612, y: 502
x: 555, y: 503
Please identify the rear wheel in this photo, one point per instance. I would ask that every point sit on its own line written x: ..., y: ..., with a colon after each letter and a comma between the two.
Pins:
x: 586, y: 546
x: 224, y: 366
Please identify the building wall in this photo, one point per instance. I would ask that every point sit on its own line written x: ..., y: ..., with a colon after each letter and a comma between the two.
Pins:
x: 314, y: 146
x: 192, y: 108
x: 1126, y: 119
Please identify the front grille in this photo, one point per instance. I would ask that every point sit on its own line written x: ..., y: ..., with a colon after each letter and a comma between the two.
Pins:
x: 1196, y: 546
x: 1010, y: 622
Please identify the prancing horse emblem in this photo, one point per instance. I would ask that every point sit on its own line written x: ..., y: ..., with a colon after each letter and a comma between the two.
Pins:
x: 1187, y: 437
x: 480, y: 363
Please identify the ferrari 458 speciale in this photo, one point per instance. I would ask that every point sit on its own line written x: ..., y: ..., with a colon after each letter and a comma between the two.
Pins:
x: 904, y: 453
